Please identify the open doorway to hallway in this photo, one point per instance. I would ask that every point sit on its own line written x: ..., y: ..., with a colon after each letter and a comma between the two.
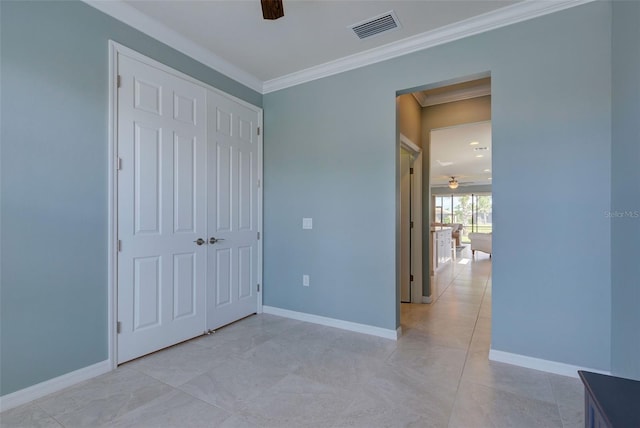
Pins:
x: 451, y: 124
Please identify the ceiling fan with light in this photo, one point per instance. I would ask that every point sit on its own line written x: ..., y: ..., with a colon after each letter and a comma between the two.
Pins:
x: 453, y: 183
x: 272, y: 9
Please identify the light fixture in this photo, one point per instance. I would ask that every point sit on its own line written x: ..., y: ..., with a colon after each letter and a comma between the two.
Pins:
x: 453, y: 183
x: 487, y: 170
x: 474, y: 143
x: 479, y: 156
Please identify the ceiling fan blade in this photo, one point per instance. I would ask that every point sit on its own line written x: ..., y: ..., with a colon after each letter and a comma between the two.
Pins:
x: 272, y: 9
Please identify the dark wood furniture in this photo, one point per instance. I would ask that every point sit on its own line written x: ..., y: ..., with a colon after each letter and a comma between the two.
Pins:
x: 610, y: 402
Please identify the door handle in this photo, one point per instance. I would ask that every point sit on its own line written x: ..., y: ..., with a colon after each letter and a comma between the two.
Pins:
x: 199, y: 241
x: 213, y: 240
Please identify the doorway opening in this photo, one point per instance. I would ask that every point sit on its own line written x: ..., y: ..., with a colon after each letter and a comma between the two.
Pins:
x: 456, y: 187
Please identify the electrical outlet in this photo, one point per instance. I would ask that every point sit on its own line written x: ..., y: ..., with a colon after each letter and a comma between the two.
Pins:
x: 305, y: 280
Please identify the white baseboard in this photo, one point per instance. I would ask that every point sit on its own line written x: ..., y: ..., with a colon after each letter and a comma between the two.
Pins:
x: 539, y: 364
x: 332, y: 322
x: 50, y: 386
x: 427, y: 299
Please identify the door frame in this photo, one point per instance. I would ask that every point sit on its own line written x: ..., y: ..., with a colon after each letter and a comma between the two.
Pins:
x: 112, y: 192
x: 416, y: 215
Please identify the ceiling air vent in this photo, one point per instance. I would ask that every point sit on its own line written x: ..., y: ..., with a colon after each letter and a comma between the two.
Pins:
x: 379, y: 24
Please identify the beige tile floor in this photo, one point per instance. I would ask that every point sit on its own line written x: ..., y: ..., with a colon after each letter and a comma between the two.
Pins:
x: 266, y: 371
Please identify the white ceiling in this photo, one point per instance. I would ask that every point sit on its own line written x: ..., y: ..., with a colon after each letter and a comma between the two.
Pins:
x: 312, y: 40
x: 453, y: 155
x: 310, y: 33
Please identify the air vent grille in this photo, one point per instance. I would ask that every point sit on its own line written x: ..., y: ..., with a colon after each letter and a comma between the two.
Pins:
x: 379, y: 24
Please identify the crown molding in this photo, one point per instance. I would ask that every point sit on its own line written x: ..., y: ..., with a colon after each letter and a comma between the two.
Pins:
x: 420, y: 97
x: 138, y: 20
x: 427, y: 99
x: 518, y: 12
x: 522, y: 11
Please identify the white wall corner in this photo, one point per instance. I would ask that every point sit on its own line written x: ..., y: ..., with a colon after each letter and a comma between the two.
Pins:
x: 56, y: 384
x: 333, y: 322
x: 540, y: 364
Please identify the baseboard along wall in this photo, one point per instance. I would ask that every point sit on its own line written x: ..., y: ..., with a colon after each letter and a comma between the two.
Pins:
x: 39, y: 390
x: 540, y: 364
x: 333, y: 322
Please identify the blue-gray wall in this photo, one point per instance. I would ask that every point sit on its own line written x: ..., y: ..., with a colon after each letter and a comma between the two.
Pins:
x: 54, y: 182
x: 323, y: 159
x: 625, y: 191
x: 330, y: 154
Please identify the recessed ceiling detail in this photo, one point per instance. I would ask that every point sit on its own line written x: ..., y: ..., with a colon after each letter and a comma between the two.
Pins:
x: 376, y: 25
x: 462, y: 161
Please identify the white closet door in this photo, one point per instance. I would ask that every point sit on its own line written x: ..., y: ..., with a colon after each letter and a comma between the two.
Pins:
x: 233, y: 211
x: 162, y: 209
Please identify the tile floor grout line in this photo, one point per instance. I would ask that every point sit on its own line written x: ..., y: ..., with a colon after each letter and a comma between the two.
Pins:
x: 555, y: 398
x: 443, y: 291
x: 35, y: 403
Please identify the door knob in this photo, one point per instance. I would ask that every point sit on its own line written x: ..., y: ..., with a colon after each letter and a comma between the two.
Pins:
x: 213, y: 240
x: 199, y: 241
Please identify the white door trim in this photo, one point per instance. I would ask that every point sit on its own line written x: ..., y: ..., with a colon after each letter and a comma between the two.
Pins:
x: 112, y: 204
x: 409, y: 145
x: 112, y: 207
x: 416, y: 213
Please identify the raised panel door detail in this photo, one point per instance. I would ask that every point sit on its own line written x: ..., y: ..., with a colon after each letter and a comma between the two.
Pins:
x: 184, y: 285
x: 184, y: 186
x: 246, y: 130
x: 147, y: 186
x: 246, y: 181
x: 148, y: 97
x: 245, y: 282
x: 146, y: 292
x: 224, y: 169
x: 184, y: 108
x: 223, y: 122
x: 224, y: 277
